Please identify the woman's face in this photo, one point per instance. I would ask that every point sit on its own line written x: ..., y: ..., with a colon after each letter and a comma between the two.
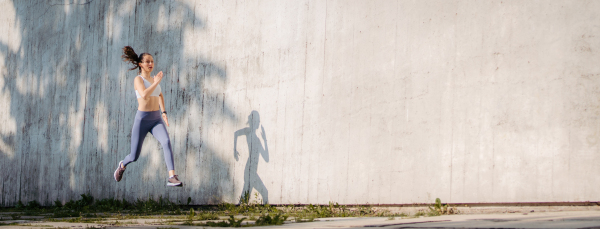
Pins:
x: 147, y: 63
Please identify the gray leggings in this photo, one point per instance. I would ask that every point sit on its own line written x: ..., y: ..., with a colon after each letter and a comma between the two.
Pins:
x: 149, y: 121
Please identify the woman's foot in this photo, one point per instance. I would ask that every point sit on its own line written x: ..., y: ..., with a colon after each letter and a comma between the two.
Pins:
x: 119, y: 172
x: 173, y: 181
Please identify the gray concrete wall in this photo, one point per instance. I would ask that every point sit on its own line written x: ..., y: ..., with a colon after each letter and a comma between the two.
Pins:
x: 383, y: 102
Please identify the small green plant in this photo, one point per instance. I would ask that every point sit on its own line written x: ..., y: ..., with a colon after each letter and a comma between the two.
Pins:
x: 192, y: 214
x: 34, y: 225
x: 235, y: 223
x: 88, y: 209
x: 319, y: 211
x: 33, y: 205
x: 419, y: 213
x: 208, y: 216
x: 58, y: 204
x: 304, y: 217
x: 441, y: 209
x: 268, y: 220
x: 190, y: 218
x: 366, y: 211
x: 19, y: 205
x: 63, y: 214
x: 15, y: 216
x: 245, y: 198
x: 79, y: 205
x: 231, y: 222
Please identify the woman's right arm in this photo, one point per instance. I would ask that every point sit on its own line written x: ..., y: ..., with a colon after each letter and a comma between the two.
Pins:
x: 236, y: 134
x: 141, y: 88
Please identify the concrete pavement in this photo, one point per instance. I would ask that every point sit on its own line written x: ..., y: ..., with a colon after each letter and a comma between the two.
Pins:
x: 568, y: 219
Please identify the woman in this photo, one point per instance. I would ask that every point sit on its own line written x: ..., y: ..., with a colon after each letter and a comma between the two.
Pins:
x: 148, y: 117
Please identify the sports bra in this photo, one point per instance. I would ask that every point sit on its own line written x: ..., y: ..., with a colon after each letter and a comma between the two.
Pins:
x: 156, y: 91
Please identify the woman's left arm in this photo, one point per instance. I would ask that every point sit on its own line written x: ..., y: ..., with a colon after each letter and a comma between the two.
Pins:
x: 161, y: 104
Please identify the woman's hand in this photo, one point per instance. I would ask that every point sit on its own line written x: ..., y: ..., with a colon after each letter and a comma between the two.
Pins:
x: 264, y: 136
x: 158, y: 77
x: 164, y: 116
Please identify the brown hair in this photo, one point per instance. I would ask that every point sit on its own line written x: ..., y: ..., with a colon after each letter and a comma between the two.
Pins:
x: 130, y: 56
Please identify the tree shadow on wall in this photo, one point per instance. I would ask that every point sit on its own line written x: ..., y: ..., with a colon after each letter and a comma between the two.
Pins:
x: 70, y: 102
x: 255, y: 150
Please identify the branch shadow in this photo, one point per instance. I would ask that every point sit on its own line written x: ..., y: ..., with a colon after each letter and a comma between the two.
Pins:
x: 72, y: 103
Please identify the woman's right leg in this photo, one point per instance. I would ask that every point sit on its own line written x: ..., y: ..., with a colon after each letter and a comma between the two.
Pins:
x: 138, y: 133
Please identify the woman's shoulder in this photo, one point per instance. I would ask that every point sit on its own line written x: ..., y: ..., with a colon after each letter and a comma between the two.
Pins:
x: 138, y: 78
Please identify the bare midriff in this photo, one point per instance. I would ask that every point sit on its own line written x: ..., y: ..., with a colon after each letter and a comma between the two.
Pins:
x: 149, y: 104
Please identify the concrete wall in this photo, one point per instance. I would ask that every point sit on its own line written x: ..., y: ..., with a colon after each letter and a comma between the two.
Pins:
x: 354, y: 102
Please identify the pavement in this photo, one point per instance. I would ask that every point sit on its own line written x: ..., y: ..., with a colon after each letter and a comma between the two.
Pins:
x: 565, y: 219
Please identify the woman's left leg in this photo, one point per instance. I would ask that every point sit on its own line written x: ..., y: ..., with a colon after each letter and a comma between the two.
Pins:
x: 159, y: 131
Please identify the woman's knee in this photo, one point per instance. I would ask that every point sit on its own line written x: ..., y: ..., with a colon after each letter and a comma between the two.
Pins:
x: 166, y: 142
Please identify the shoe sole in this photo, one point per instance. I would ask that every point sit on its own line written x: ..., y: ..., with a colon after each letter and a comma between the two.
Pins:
x: 174, y: 185
x: 115, y: 174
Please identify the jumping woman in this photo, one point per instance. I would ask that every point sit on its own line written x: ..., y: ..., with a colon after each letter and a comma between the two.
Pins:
x: 148, y: 116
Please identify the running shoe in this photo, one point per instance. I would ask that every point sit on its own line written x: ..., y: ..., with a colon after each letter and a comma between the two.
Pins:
x: 119, y: 172
x: 173, y: 181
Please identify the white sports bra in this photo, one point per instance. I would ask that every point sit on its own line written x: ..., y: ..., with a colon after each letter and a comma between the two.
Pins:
x: 156, y: 91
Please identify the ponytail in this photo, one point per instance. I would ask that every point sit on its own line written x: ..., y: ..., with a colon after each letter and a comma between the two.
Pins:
x: 130, y: 56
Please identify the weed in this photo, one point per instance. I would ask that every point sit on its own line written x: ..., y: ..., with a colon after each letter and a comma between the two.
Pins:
x: 35, y: 225
x: 78, y: 205
x: 19, y: 205
x: 88, y: 209
x: 303, y: 217
x: 79, y: 219
x: 15, y: 216
x: 33, y: 205
x: 320, y: 211
x: 420, y: 213
x: 218, y: 224
x: 58, y: 204
x: 192, y: 214
x: 268, y: 220
x: 231, y: 222
x: 208, y: 216
x: 64, y: 214
x: 246, y: 207
x: 245, y: 198
x: 441, y: 209
x: 366, y: 210
x: 33, y: 212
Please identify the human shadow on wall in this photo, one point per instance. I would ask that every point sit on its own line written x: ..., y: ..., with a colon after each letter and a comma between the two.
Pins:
x: 255, y: 150
x: 72, y: 104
